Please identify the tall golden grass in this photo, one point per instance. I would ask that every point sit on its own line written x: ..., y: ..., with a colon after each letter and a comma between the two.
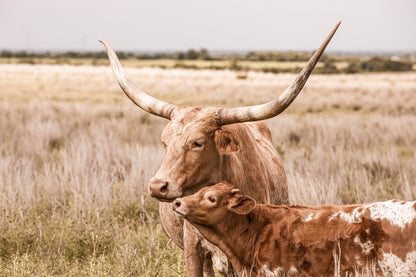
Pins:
x: 76, y: 156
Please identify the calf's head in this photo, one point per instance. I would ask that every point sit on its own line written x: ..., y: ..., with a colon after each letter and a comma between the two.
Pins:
x: 214, y: 204
x: 193, y: 139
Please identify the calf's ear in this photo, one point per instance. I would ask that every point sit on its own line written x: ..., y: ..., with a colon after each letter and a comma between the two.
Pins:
x: 226, y: 142
x: 241, y: 204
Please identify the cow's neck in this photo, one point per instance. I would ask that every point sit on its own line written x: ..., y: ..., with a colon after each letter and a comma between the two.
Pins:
x: 238, y: 171
x: 256, y: 169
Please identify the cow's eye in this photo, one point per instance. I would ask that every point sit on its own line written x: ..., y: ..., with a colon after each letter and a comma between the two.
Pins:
x: 212, y: 199
x: 198, y: 143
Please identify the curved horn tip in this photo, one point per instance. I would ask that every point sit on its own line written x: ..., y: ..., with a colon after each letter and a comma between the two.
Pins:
x: 337, y: 25
x: 105, y: 43
x: 278, y: 105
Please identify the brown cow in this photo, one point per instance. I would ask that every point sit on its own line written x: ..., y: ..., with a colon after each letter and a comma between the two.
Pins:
x: 207, y: 145
x: 264, y: 240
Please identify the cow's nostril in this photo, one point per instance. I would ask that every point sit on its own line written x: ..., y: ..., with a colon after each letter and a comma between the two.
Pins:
x: 164, y: 188
x: 177, y: 203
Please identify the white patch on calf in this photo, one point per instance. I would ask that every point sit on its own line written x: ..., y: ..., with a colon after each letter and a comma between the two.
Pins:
x: 358, y: 260
x: 268, y: 273
x: 366, y: 246
x: 397, y: 213
x: 311, y: 216
x: 219, y: 259
x: 279, y: 272
x: 354, y: 217
x: 293, y: 270
x: 391, y: 265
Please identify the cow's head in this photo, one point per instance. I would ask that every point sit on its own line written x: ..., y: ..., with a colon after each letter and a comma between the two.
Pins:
x: 214, y: 204
x: 193, y: 142
x: 194, y: 139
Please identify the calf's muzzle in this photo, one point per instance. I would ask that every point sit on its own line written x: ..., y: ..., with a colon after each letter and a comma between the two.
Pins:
x: 179, y: 207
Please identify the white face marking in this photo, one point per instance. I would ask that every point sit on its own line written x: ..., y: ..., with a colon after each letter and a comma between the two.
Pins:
x: 397, y: 213
x: 366, y: 246
x: 391, y: 265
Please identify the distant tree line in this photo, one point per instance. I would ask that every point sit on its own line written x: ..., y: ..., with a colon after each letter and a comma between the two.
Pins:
x: 378, y: 64
x: 355, y: 64
x: 54, y: 55
x: 191, y: 54
x: 288, y: 56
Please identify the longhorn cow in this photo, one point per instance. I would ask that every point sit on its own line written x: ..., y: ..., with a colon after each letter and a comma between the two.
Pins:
x: 206, y: 145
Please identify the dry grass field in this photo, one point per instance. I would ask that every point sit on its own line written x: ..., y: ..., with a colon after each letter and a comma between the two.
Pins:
x: 76, y: 155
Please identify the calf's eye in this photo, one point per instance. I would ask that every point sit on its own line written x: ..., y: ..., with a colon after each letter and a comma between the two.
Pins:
x: 212, y: 199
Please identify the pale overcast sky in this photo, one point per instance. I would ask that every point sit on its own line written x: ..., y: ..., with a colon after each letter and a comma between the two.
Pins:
x: 160, y: 25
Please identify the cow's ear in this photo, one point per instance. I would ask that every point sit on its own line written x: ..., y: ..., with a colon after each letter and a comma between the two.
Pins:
x: 226, y: 141
x: 241, y: 204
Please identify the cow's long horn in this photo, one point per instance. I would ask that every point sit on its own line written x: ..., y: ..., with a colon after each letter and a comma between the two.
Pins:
x: 138, y: 96
x: 278, y: 105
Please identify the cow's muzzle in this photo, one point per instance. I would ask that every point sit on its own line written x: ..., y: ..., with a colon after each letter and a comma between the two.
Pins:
x: 161, y: 190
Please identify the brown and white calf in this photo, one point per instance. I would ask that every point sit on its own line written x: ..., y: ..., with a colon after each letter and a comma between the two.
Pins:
x: 264, y: 240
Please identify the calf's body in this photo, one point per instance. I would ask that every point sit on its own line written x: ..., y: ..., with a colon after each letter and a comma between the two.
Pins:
x: 377, y: 239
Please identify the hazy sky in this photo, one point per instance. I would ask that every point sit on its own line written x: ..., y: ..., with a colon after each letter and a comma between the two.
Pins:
x: 159, y: 25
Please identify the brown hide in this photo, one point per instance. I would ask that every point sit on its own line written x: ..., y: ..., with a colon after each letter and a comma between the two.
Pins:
x: 266, y: 240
